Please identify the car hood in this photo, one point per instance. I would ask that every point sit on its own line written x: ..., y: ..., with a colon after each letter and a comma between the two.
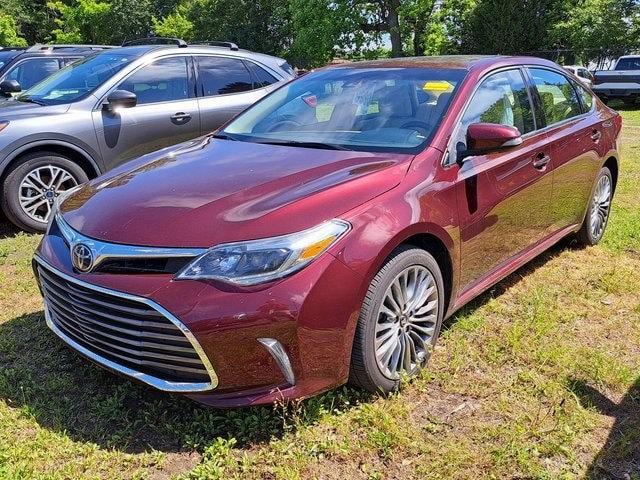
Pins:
x: 214, y: 191
x: 10, y: 109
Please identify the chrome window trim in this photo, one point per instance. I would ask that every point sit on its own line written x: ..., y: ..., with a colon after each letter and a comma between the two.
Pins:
x: 164, y: 385
x: 105, y: 250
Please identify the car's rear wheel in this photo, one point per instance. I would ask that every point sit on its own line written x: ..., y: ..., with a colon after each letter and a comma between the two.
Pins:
x: 597, y: 217
x: 33, y: 184
x: 399, y: 321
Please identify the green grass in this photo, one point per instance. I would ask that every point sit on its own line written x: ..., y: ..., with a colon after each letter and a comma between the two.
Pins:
x: 538, y: 378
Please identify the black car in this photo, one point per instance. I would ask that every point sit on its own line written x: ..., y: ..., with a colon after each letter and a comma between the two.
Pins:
x: 27, y: 66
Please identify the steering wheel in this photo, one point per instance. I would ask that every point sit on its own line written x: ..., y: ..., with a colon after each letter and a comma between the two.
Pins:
x: 423, y: 128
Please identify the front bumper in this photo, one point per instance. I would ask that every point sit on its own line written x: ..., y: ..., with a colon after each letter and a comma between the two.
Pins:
x: 290, y: 339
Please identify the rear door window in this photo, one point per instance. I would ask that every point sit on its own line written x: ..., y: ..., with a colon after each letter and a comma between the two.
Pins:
x: 221, y: 76
x: 558, y: 97
x: 262, y: 77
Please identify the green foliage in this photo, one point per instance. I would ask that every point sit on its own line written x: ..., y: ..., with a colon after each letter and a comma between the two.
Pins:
x: 260, y: 25
x: 175, y: 25
x: 318, y: 26
x: 507, y: 27
x: 595, y: 27
x: 85, y: 20
x: 8, y: 34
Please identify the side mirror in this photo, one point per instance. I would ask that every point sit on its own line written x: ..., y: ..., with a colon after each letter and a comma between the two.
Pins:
x: 120, y: 99
x: 10, y: 86
x: 489, y: 137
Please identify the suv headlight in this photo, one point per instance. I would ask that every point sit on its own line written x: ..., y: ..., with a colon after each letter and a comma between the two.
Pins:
x: 259, y: 261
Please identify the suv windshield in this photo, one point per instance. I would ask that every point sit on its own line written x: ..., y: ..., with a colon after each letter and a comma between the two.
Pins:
x: 382, y: 109
x: 77, y: 80
x: 6, y: 57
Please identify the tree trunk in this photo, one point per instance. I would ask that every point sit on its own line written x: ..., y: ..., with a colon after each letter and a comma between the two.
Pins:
x: 394, y: 29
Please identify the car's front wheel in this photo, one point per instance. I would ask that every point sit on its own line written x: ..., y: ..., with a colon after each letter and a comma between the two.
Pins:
x: 33, y: 184
x: 599, y: 209
x: 399, y: 321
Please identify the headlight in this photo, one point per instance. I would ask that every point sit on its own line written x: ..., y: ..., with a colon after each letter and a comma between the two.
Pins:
x: 260, y: 261
x: 3, y: 125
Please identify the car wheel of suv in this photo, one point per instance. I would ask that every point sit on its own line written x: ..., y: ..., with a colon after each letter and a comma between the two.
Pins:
x: 595, y: 222
x: 399, y: 321
x: 33, y: 184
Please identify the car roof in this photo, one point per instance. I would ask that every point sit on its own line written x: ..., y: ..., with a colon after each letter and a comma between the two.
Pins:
x: 139, y: 50
x: 462, y: 62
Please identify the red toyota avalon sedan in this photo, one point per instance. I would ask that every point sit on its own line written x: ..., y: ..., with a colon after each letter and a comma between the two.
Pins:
x: 323, y: 235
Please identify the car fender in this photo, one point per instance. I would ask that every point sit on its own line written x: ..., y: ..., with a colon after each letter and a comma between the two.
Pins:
x: 39, y: 141
x: 375, y: 235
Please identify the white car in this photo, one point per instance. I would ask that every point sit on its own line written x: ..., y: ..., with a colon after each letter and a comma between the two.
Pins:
x: 581, y: 72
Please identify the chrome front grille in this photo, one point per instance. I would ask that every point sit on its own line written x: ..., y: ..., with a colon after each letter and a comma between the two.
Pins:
x: 129, y: 334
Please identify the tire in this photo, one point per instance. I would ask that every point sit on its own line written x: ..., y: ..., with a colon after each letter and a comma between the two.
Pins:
x: 598, y: 210
x: 386, y: 331
x: 32, y: 185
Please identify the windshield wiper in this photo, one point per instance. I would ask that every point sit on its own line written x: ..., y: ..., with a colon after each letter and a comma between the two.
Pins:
x: 223, y: 136
x: 293, y: 143
x: 32, y: 100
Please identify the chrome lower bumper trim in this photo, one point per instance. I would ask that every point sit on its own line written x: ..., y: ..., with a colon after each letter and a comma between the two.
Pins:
x: 279, y: 354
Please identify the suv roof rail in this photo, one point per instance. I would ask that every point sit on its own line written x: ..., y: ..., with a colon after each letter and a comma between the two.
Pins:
x: 49, y: 48
x: 155, y: 41
x: 217, y: 43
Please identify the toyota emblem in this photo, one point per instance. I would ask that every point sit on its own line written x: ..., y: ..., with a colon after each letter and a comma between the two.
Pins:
x: 82, y: 257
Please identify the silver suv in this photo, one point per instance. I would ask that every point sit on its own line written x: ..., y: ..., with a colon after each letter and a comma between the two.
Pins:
x: 116, y: 105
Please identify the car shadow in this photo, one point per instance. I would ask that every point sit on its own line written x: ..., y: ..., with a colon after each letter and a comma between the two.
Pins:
x: 619, y: 457
x: 7, y: 229
x: 43, y: 380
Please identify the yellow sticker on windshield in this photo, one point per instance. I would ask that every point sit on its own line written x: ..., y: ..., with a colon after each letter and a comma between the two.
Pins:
x: 437, y: 86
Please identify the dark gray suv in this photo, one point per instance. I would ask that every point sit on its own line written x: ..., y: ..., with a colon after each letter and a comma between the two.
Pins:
x: 22, y: 68
x: 116, y: 105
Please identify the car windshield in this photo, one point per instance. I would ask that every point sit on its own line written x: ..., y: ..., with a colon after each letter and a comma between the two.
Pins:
x: 628, y: 63
x: 5, y: 57
x: 367, y: 109
x: 77, y: 80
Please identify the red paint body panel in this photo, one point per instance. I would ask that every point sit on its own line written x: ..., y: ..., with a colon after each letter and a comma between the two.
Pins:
x: 486, y: 216
x: 232, y: 191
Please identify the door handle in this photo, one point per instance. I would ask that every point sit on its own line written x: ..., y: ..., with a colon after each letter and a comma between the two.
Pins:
x: 596, y: 135
x: 180, y: 118
x: 541, y: 161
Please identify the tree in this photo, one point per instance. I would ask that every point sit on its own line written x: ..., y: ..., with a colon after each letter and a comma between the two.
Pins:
x: 261, y: 25
x: 85, y: 21
x: 507, y: 26
x: 446, y: 33
x: 8, y: 34
x: 174, y: 25
x: 318, y: 27
x: 31, y: 18
x: 596, y: 28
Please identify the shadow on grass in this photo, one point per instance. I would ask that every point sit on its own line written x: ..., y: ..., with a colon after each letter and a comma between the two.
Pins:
x: 7, y: 229
x: 45, y: 381
x: 619, y: 458
x: 621, y: 106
